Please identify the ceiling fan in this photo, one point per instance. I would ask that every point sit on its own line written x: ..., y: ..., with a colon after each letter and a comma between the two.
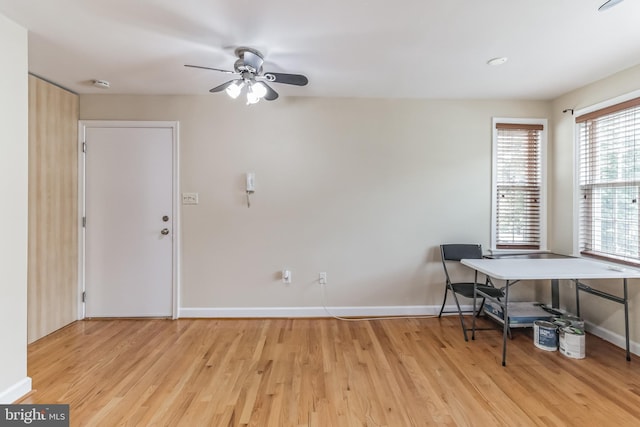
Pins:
x: 252, y: 78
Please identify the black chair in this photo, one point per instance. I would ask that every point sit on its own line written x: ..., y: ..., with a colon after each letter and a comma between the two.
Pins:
x: 454, y: 253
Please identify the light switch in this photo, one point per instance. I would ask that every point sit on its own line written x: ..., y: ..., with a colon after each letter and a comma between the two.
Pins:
x: 189, y: 198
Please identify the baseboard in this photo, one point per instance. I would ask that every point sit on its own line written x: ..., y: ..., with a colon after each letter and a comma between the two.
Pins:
x: 366, y: 311
x: 273, y: 312
x: 615, y: 339
x: 15, y: 392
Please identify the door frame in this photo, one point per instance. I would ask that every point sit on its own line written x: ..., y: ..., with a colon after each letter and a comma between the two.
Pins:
x: 174, y: 126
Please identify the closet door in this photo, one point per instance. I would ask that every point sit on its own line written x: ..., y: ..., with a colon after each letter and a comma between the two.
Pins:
x: 52, y: 290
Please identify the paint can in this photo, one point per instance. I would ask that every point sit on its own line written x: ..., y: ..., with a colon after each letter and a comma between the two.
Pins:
x: 576, y: 322
x: 572, y: 342
x: 560, y: 322
x: 545, y: 335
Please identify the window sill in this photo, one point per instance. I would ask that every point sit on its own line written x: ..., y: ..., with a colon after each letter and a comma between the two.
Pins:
x: 518, y: 251
x: 611, y: 259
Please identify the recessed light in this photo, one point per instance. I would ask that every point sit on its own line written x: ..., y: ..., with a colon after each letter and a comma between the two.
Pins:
x: 497, y: 61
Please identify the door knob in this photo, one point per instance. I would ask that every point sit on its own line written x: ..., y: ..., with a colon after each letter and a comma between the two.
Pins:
x: 165, y: 218
x: 164, y: 231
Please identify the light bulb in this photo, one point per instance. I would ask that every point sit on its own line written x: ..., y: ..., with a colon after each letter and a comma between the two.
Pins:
x: 259, y: 89
x: 234, y: 89
x: 252, y: 98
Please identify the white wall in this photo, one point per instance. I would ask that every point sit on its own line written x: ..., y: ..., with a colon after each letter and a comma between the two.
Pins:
x: 362, y: 189
x: 606, y: 318
x: 13, y: 215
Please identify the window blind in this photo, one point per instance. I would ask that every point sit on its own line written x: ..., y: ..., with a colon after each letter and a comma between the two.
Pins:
x: 518, y: 186
x: 610, y: 182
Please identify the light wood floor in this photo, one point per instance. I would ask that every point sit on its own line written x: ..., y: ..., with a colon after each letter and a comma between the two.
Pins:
x: 324, y: 372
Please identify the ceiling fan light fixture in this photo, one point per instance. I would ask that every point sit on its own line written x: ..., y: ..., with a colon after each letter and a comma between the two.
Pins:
x: 259, y: 89
x: 252, y: 97
x: 234, y: 89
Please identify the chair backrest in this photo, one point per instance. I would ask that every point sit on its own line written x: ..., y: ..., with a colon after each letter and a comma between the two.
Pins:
x: 456, y: 252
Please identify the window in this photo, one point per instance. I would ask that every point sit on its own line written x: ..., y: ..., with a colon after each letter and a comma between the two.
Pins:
x: 609, y: 157
x: 518, y: 219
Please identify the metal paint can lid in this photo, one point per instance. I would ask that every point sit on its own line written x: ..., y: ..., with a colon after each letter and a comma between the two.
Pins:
x: 545, y: 324
x: 561, y: 322
x: 572, y: 330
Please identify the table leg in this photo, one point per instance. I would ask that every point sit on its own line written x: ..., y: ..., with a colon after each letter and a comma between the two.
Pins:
x: 473, y: 322
x: 555, y: 293
x: 577, y: 284
x: 626, y: 318
x: 505, y: 329
x: 624, y: 301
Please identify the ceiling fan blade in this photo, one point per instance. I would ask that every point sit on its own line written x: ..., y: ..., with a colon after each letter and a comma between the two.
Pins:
x: 271, y: 95
x: 209, y: 68
x: 222, y: 87
x: 290, y: 79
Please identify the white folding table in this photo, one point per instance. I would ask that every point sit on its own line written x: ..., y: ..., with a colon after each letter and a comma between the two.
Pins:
x: 575, y: 269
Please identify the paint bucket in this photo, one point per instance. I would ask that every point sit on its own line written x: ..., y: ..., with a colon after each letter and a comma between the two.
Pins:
x: 576, y: 322
x: 560, y: 322
x: 545, y: 335
x: 572, y: 342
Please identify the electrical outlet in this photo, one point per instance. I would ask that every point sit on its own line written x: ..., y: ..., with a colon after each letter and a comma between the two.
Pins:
x: 189, y: 198
x: 322, y: 278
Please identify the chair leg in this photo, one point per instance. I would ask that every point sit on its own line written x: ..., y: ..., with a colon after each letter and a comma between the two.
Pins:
x: 480, y: 309
x: 464, y: 328
x: 446, y: 291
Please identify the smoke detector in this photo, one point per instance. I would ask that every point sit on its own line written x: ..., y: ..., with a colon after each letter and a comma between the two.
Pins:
x: 102, y: 84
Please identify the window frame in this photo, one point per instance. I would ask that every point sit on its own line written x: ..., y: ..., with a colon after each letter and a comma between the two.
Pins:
x: 543, y: 182
x: 577, y: 190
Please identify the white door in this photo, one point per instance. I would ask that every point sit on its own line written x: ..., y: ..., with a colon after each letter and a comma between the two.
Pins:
x: 129, y: 262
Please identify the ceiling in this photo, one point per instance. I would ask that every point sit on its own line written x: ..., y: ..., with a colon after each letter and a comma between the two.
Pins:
x: 354, y: 48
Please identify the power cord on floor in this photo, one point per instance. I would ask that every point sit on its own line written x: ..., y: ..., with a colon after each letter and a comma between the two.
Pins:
x: 363, y: 319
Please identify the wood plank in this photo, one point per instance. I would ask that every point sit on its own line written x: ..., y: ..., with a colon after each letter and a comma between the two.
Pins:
x: 321, y: 372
